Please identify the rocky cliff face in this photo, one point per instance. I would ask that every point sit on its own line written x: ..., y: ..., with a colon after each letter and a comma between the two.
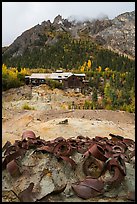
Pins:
x: 120, y: 35
x: 117, y: 34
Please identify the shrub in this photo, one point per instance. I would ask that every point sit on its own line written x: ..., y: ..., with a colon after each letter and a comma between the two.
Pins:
x: 12, y: 78
x: 27, y: 107
x: 88, y: 104
x: 54, y: 84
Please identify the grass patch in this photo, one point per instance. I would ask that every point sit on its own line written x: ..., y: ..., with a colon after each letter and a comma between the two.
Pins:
x: 27, y: 107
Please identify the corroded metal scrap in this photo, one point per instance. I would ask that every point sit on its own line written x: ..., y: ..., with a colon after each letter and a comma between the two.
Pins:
x: 100, y: 154
x: 88, y: 188
x: 28, y: 134
x: 27, y: 195
x: 13, y: 168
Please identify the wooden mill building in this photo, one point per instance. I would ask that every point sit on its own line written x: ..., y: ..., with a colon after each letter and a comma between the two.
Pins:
x: 68, y: 79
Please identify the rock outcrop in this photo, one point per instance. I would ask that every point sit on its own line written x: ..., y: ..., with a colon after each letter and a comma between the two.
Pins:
x: 117, y: 34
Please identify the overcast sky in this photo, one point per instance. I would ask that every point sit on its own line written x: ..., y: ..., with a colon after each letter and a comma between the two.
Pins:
x: 17, y: 17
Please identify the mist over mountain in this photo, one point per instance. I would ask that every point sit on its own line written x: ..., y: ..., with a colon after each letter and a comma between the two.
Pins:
x: 49, y: 39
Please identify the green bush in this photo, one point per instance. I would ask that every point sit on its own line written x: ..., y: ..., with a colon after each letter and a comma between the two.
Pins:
x: 27, y: 107
x: 88, y: 104
x: 54, y: 84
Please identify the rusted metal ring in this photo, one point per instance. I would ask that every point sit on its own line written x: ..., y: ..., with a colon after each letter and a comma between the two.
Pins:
x: 98, y: 152
x: 62, y: 149
x: 119, y: 163
x: 122, y: 144
x: 117, y: 177
x: 117, y: 149
x: 96, y: 164
x: 28, y: 134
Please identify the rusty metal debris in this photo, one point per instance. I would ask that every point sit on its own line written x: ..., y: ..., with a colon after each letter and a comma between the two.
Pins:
x: 17, y: 154
x: 13, y: 168
x: 27, y: 194
x: 7, y: 144
x: 88, y: 188
x: 28, y: 134
x: 116, y: 137
x: 64, y: 122
x: 92, y: 167
x: 99, y: 155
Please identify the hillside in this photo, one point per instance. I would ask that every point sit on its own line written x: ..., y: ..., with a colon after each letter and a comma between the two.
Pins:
x: 48, y: 107
x: 68, y: 44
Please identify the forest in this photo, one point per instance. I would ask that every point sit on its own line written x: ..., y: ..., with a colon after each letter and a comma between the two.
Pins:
x: 111, y: 75
x: 56, y: 50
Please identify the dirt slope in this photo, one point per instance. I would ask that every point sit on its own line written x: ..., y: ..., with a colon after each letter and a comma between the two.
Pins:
x: 80, y: 122
x: 45, y: 118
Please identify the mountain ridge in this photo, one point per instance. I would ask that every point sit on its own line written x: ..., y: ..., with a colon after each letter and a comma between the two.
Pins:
x: 117, y: 35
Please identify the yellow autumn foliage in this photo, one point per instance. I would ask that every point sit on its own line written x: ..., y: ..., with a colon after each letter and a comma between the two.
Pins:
x: 24, y: 71
x: 82, y: 68
x: 4, y: 69
x: 11, y: 77
x: 107, y: 69
x: 99, y: 68
x: 89, y: 64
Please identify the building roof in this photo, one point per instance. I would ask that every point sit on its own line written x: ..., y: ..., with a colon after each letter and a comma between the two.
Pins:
x: 39, y: 76
x: 63, y: 75
x: 80, y: 75
x: 54, y: 75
